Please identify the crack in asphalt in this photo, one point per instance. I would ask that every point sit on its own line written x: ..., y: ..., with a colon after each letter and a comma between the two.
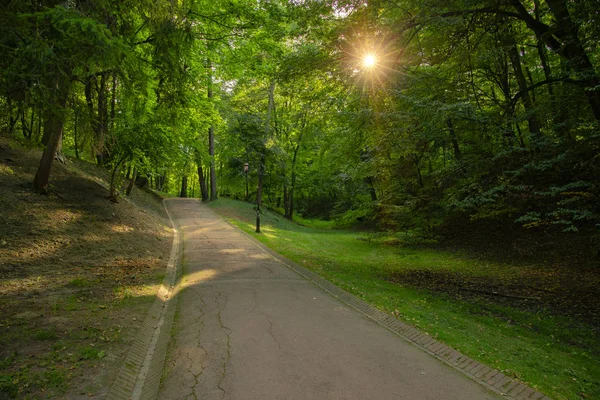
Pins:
x: 271, y: 331
x: 228, y: 342
x: 189, y: 370
x: 200, y: 320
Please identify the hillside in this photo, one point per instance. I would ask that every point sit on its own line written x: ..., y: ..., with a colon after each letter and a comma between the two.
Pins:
x: 77, y: 274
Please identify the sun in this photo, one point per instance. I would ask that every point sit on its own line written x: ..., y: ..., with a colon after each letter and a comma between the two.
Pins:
x: 369, y: 61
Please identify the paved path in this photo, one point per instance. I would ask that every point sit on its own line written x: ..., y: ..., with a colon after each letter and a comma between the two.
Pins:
x: 248, y: 327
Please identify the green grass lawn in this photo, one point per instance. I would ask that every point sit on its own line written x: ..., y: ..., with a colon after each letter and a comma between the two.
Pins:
x: 554, y: 353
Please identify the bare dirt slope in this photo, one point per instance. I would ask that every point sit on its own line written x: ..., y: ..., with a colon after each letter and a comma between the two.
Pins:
x: 77, y: 275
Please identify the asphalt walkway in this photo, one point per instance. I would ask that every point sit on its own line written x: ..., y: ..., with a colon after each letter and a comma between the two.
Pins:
x: 248, y: 327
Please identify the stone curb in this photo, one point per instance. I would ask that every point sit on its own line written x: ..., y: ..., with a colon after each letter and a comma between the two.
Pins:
x: 139, y: 376
x: 492, y: 379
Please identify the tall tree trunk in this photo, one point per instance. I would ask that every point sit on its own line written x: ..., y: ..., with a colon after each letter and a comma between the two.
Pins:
x: 38, y: 136
x: 454, y: 140
x: 46, y: 135
x: 211, y: 140
x: 202, y: 182
x: 263, y: 155
x: 53, y: 124
x: 113, y: 191
x: 24, y: 127
x: 113, y: 102
x: 286, y: 201
x: 75, y: 133
x: 98, y: 115
x: 213, y: 172
x: 184, y: 186
x: 131, y: 182
x: 370, y: 184
x: 290, y: 212
x: 515, y: 60
x: 12, y: 121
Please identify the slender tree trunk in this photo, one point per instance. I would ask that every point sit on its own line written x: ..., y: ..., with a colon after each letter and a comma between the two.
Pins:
x: 103, y: 120
x: 27, y: 128
x: 416, y: 161
x: 98, y: 115
x: 202, y: 182
x: 291, y: 196
x: 39, y: 127
x: 184, y: 186
x: 454, y: 140
x: 515, y: 60
x: 113, y: 192
x: 11, y: 121
x: 286, y: 201
x: 211, y: 141
x: 213, y: 172
x: 23, y: 123
x: 53, y: 124
x: 261, y: 172
x: 263, y: 155
x: 371, y: 186
x: 32, y: 123
x: 113, y: 102
x: 290, y: 213
x: 75, y: 134
x: 131, y: 182
x: 46, y: 135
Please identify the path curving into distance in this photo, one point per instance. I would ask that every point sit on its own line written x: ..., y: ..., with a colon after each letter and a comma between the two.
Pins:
x: 248, y: 327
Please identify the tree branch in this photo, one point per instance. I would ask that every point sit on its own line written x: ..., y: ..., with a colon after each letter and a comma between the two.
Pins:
x: 546, y: 82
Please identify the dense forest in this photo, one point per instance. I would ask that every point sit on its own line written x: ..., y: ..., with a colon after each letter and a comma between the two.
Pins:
x: 404, y: 115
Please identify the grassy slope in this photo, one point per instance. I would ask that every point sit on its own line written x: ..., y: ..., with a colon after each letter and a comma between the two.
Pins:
x: 77, y: 275
x: 554, y: 352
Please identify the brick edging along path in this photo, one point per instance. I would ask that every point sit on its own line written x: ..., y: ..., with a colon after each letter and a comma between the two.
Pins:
x: 139, y: 376
x: 491, y: 378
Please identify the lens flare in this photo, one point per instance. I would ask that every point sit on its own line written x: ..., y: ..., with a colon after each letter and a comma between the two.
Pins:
x: 369, y: 61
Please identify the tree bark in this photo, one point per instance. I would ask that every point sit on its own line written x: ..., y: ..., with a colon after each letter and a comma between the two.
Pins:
x: 53, y: 125
x: 113, y: 191
x: 454, y: 140
x: 25, y: 128
x: 184, y: 186
x: 113, y: 102
x: 12, y: 121
x: 202, y: 182
x: 211, y: 141
x: 286, y: 201
x: 263, y: 155
x: 213, y: 171
x: 131, y: 182
x: 39, y: 127
x: 75, y: 133
x: 515, y: 60
x: 98, y: 115
x: 290, y: 212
